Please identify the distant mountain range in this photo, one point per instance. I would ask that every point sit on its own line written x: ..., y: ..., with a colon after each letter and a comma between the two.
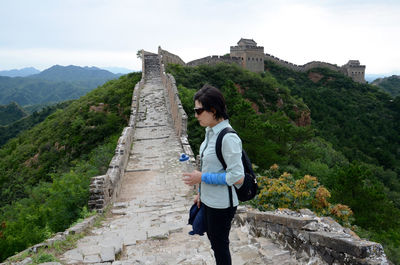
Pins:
x: 118, y: 70
x: 27, y: 71
x: 20, y: 72
x: 73, y: 73
x: 55, y: 84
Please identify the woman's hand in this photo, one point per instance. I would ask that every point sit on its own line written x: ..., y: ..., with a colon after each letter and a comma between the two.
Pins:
x: 240, y: 181
x: 192, y: 178
x: 197, y: 200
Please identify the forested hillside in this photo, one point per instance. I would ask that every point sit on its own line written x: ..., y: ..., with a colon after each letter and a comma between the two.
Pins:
x: 13, y: 129
x: 58, y: 83
x: 45, y: 172
x: 90, y: 77
x: 351, y: 145
x: 390, y: 85
x: 11, y: 113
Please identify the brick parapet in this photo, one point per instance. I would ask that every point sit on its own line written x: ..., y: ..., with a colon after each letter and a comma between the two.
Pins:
x: 309, y: 236
x: 247, y: 48
x: 167, y: 57
x: 174, y: 104
x: 104, y: 189
x: 344, y: 69
x: 213, y: 60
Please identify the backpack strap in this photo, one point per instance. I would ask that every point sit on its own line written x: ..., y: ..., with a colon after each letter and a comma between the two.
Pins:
x: 218, y: 151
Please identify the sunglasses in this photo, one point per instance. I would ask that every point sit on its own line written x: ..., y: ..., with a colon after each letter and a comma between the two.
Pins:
x: 199, y: 110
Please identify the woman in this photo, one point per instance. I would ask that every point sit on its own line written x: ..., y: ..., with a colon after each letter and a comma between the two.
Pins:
x: 210, y: 111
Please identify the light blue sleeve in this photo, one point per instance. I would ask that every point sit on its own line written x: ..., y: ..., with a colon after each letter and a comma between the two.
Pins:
x: 232, y: 153
x: 214, y: 178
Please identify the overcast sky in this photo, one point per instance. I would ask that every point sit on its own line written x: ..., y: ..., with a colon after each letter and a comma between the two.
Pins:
x: 105, y: 33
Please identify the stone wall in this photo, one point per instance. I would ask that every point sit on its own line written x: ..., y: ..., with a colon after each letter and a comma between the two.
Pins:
x: 215, y: 59
x: 167, y: 57
x: 173, y: 101
x: 302, y: 68
x: 315, y: 64
x: 104, y: 189
x: 356, y: 72
x: 310, y: 237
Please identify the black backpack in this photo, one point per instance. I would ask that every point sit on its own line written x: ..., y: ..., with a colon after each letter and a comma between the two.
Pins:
x: 248, y: 190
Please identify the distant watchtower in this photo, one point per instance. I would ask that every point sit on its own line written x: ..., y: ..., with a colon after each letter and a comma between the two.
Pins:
x: 251, y: 55
x: 354, y: 70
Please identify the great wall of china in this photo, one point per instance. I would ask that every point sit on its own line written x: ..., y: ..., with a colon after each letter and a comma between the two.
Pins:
x: 149, y: 202
x: 251, y: 57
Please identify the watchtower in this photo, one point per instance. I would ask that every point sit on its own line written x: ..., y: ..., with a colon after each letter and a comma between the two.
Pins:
x: 251, y: 55
x: 355, y: 70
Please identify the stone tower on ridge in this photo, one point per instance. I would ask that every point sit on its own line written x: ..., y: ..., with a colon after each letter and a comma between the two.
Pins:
x: 355, y: 70
x: 251, y: 56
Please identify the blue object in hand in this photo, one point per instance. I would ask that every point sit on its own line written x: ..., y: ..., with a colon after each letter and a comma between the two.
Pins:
x: 197, y: 220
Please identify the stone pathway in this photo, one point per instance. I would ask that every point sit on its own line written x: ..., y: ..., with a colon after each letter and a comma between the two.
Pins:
x: 149, y: 223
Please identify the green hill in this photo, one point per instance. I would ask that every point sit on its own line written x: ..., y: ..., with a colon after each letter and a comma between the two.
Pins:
x: 351, y: 145
x: 55, y: 84
x: 358, y: 119
x: 83, y: 76
x: 11, y: 113
x: 13, y: 129
x: 390, y: 84
x: 28, y: 91
x: 45, y: 172
x: 253, y: 100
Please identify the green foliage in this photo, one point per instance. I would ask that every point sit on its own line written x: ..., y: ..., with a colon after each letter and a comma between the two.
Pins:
x: 282, y: 190
x: 43, y: 257
x: 358, y: 119
x: 26, y: 91
x: 45, y: 172
x: 55, y: 84
x: 357, y: 186
x: 267, y: 132
x: 390, y: 85
x: 11, y: 130
x: 350, y: 122
x: 10, y: 113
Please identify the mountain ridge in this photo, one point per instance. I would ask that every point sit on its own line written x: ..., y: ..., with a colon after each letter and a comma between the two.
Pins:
x: 55, y: 84
x: 23, y: 72
x: 74, y: 73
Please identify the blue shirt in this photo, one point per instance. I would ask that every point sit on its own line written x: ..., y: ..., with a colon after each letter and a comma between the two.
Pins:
x: 217, y: 196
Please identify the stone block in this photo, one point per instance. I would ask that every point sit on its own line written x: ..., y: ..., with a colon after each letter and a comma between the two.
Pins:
x: 351, y: 246
x: 107, y: 254
x: 111, y: 240
x: 277, y: 228
x: 72, y: 255
x: 89, y: 250
x: 288, y: 221
x: 76, y: 229
x: 91, y: 259
x: 158, y: 233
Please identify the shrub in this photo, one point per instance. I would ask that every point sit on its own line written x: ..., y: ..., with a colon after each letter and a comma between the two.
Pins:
x: 282, y: 190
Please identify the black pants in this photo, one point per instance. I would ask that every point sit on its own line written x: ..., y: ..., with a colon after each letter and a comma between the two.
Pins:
x: 218, y: 226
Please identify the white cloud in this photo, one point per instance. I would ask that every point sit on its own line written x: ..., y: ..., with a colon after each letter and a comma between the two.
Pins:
x: 93, y: 32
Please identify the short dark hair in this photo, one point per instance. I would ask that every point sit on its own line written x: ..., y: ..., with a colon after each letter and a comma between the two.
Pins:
x: 211, y: 98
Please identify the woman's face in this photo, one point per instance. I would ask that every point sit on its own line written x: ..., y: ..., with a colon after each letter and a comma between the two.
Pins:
x: 205, y: 118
